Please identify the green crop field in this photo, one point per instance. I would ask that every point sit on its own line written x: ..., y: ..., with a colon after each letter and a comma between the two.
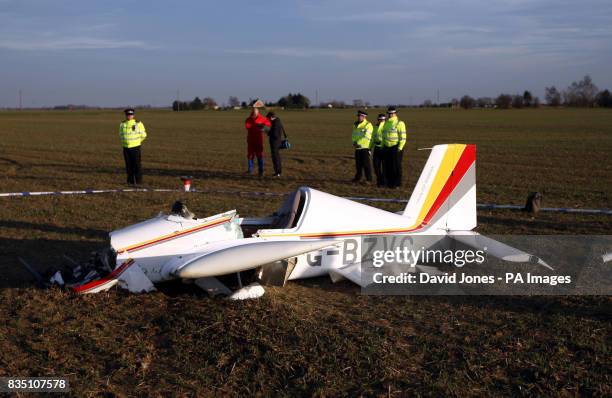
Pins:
x: 311, y: 337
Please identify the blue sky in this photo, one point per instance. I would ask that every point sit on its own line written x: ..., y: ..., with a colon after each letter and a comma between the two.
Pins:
x: 116, y: 53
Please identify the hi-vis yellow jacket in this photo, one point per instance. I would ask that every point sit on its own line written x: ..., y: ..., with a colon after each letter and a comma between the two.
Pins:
x: 132, y: 133
x: 377, y: 137
x: 362, y: 134
x: 394, y: 133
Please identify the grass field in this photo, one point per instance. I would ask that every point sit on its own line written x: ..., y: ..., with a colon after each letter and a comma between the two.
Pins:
x: 311, y: 337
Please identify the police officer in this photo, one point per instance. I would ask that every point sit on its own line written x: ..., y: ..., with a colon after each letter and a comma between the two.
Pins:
x: 377, y: 150
x: 132, y: 133
x: 394, y: 140
x: 362, y: 135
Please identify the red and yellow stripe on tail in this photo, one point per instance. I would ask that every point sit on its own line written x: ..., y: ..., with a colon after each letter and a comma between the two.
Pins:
x: 448, y: 175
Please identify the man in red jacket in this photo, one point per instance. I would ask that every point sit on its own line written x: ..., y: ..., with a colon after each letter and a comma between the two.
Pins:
x: 256, y: 126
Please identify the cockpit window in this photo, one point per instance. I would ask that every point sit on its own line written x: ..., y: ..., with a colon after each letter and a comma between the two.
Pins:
x: 288, y: 215
x: 299, y: 210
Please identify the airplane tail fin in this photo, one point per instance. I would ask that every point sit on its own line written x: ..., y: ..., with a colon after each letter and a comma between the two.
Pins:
x: 445, y: 194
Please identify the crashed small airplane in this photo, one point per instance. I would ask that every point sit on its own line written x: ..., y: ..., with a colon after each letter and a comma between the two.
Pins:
x: 312, y: 234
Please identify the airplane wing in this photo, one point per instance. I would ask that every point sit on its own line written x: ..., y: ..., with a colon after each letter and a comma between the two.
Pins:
x: 495, y: 248
x: 227, y: 257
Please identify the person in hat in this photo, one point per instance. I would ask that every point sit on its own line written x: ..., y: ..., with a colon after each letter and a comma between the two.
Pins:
x: 256, y: 125
x: 362, y: 136
x: 393, y: 140
x: 132, y: 133
x: 377, y: 150
x: 275, y: 135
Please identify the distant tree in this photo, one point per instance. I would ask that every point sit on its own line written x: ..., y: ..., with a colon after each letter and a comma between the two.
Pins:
x: 536, y: 102
x: 552, y: 96
x: 181, y: 106
x: 604, y: 99
x: 427, y: 103
x: 517, y: 101
x: 503, y: 101
x: 527, y: 99
x: 233, y: 101
x: 582, y: 93
x: 209, y: 103
x: 484, y: 102
x: 296, y: 101
x: 467, y: 102
x: 454, y: 102
x: 197, y: 104
x: 243, y: 104
x: 358, y: 103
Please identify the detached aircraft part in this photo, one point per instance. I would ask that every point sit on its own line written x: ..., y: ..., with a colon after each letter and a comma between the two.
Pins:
x: 134, y: 280
x: 252, y: 291
x: 105, y: 283
x: 277, y: 273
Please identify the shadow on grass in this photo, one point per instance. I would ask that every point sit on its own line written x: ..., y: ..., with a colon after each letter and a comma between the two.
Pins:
x: 202, y: 175
x: 28, y: 226
x: 44, y: 255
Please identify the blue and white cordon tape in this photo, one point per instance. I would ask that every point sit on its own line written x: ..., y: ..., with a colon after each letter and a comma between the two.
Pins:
x: 486, y: 206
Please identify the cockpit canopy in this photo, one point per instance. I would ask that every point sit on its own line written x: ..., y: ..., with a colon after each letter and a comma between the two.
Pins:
x: 288, y: 215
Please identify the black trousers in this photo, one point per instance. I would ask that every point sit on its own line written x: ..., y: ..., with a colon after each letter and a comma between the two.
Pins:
x: 276, y: 158
x: 377, y: 162
x: 362, y: 163
x: 133, y: 167
x: 400, y: 167
x: 390, y: 166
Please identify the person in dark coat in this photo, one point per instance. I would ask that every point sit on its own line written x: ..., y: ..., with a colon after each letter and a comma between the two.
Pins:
x: 275, y: 135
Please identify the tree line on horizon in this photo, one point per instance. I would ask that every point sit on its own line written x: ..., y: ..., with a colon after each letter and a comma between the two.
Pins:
x: 290, y: 101
x: 583, y: 93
